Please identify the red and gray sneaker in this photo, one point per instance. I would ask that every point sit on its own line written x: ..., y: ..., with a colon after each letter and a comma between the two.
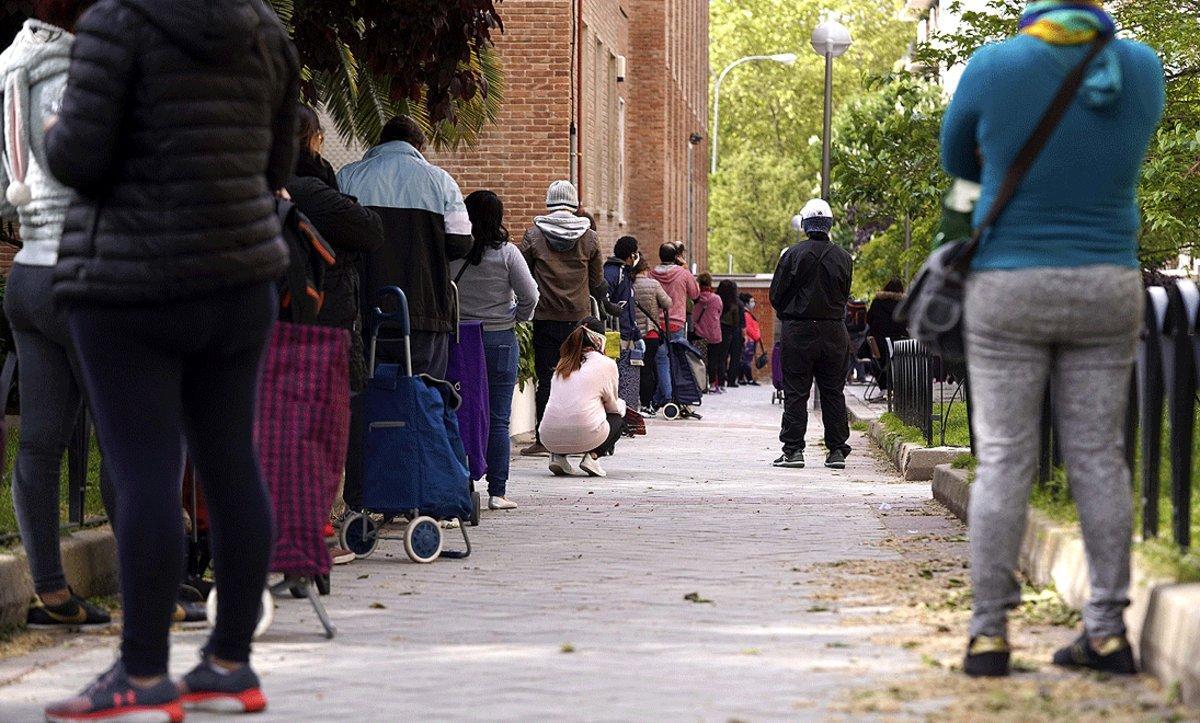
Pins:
x: 112, y: 697
x: 207, y: 689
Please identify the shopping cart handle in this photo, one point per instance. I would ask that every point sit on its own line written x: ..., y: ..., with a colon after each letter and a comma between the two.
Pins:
x: 399, y: 317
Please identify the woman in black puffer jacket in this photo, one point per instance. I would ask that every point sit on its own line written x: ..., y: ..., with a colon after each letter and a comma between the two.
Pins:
x: 177, y: 125
x: 350, y: 228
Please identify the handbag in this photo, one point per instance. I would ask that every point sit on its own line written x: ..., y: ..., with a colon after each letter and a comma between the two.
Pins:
x: 762, y: 359
x: 933, y: 309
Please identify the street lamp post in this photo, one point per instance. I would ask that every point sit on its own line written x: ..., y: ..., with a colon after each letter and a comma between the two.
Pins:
x: 830, y: 39
x: 693, y: 140
x: 785, y: 58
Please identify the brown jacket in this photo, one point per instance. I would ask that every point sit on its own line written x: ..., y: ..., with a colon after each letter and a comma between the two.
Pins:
x: 565, y: 278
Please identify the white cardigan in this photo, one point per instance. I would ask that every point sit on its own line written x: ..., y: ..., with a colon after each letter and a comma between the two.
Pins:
x: 576, y: 415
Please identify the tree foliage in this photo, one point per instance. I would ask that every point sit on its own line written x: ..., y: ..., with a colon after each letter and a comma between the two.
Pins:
x: 771, y: 114
x: 367, y: 60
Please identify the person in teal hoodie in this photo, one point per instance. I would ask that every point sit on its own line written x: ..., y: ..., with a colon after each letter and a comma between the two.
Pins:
x: 1054, y: 295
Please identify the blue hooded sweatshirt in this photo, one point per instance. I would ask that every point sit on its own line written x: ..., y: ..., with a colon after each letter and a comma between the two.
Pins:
x: 1078, y: 204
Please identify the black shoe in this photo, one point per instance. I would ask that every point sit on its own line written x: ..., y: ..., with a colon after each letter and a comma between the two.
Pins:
x: 73, y: 614
x: 987, y: 657
x: 795, y: 460
x: 1113, y: 656
x: 113, y: 697
x: 753, y: 383
x: 213, y: 691
x: 836, y: 460
x: 189, y: 612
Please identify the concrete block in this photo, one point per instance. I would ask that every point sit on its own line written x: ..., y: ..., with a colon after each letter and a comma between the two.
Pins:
x: 89, y: 560
x: 950, y: 487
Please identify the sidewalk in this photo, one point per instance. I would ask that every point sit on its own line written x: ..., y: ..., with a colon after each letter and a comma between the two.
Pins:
x: 812, y: 599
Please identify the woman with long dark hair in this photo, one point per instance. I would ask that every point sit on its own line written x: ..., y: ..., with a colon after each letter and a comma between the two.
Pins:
x: 585, y: 414
x: 732, y: 321
x: 496, y: 288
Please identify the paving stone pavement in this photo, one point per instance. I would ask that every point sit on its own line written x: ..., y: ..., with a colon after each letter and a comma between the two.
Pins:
x: 573, y: 607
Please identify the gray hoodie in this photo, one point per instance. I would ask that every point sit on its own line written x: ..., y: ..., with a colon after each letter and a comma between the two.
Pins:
x: 562, y: 229
x: 34, y: 74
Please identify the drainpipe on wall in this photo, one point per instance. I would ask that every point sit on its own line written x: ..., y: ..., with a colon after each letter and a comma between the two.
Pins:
x: 576, y: 140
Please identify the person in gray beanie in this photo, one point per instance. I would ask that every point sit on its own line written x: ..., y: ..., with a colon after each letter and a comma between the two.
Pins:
x: 557, y: 247
x: 809, y: 292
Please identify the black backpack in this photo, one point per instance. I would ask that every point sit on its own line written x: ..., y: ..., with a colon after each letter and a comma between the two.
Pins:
x: 301, y: 291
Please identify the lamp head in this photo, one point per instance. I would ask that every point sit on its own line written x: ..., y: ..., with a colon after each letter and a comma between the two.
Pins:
x: 832, y: 38
x: 785, y: 58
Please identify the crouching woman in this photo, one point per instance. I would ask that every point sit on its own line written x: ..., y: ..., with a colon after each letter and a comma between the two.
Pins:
x: 585, y: 414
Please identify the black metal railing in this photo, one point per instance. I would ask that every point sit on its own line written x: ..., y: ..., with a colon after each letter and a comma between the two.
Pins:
x: 918, y: 389
x: 78, y: 455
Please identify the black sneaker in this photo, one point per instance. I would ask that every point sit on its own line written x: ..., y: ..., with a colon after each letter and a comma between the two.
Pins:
x: 1113, y: 655
x: 113, y: 697
x: 795, y: 460
x: 987, y: 657
x: 189, y: 612
x: 74, y: 614
x: 207, y: 689
x: 836, y: 460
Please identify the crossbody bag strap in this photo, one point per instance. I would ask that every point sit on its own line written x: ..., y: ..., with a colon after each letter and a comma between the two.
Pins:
x: 1032, y: 149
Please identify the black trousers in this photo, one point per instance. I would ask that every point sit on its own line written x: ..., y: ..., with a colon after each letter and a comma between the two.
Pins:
x: 717, y: 354
x: 815, y: 350
x: 616, y: 425
x: 649, y: 383
x: 548, y: 337
x: 733, y: 370
x: 159, y: 376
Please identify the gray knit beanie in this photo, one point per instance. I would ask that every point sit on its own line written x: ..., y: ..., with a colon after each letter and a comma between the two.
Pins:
x: 562, y: 196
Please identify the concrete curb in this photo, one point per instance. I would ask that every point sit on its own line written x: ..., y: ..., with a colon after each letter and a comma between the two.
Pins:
x: 914, y: 462
x: 89, y: 559
x: 1163, y: 617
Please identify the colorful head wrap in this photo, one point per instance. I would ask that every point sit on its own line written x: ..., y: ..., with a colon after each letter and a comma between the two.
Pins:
x: 1066, y: 22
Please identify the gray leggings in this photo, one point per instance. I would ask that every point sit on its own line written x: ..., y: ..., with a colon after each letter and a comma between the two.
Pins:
x: 1076, y: 328
x: 50, y: 401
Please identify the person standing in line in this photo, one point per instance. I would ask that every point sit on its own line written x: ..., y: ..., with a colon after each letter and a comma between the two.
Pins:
x: 651, y: 299
x: 706, y: 323
x: 732, y: 320
x: 585, y: 414
x: 425, y: 227
x: 167, y: 268
x: 563, y: 254
x: 1054, y: 295
x: 497, y: 289
x: 753, y: 340
x: 34, y: 72
x: 809, y: 292
x: 882, y: 325
x: 352, y: 230
x: 681, y: 286
x: 618, y: 272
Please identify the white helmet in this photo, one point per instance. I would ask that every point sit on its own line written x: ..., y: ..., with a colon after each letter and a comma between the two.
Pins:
x: 816, y: 208
x: 816, y: 217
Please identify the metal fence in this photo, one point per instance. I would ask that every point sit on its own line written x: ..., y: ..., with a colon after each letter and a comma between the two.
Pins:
x: 78, y: 453
x: 919, y: 382
x: 1163, y: 403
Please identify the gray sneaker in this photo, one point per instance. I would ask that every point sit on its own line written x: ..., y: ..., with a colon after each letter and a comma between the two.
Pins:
x: 560, y: 466
x: 795, y: 460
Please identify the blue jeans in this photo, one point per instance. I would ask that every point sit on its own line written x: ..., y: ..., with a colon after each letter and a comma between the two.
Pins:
x: 662, y: 362
x: 502, y: 352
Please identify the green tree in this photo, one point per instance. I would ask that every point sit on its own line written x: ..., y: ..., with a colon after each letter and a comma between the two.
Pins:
x: 886, y: 165
x: 771, y: 113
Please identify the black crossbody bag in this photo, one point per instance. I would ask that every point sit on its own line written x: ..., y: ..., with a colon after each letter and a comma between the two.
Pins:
x: 933, y: 309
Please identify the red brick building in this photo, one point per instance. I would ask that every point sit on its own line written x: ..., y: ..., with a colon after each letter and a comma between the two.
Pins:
x: 631, y: 77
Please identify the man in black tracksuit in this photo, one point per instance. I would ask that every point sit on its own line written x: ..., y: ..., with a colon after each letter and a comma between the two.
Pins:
x: 809, y: 292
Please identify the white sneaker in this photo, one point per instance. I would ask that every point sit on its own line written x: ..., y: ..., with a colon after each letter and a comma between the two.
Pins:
x: 560, y: 466
x: 501, y: 503
x: 591, y: 465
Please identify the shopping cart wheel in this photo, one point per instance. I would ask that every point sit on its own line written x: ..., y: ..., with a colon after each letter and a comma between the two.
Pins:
x: 266, y: 611
x: 423, y: 540
x: 671, y: 411
x: 360, y: 534
x: 476, y: 506
x: 322, y: 584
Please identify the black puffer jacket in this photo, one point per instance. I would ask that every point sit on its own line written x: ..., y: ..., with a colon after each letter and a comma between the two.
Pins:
x: 352, y: 230
x: 177, y: 124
